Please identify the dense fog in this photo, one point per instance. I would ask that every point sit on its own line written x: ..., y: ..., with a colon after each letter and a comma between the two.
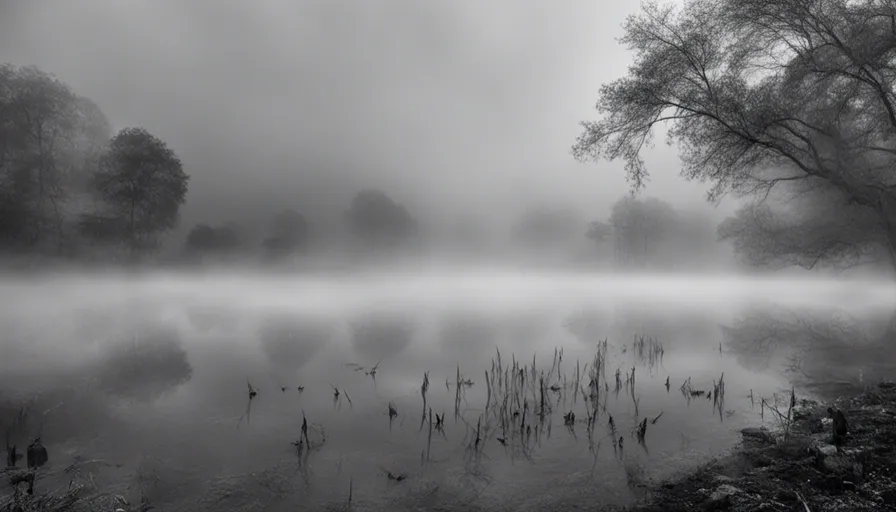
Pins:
x: 411, y: 255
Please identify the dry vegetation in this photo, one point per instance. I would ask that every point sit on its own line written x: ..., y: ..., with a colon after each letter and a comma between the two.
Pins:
x: 796, y: 467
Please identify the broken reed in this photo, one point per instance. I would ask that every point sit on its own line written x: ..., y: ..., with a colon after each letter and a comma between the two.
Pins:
x: 520, y: 398
x: 648, y: 350
x: 716, y: 394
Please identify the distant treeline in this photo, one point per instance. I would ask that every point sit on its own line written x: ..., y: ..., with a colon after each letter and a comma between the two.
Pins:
x: 71, y: 188
x: 67, y: 183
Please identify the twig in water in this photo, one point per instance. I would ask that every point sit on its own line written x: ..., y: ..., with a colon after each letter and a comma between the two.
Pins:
x: 351, y: 484
x: 248, y: 414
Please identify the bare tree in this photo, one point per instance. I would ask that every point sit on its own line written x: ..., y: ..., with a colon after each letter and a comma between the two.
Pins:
x: 790, y: 96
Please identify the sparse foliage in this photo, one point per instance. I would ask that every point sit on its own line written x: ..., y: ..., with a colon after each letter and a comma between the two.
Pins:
x: 640, y: 227
x: 792, y: 96
x: 599, y: 232
x: 644, y: 232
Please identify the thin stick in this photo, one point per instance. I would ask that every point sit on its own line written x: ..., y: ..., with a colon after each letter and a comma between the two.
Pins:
x: 803, y: 501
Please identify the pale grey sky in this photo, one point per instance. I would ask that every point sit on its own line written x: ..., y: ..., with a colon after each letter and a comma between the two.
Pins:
x: 444, y: 104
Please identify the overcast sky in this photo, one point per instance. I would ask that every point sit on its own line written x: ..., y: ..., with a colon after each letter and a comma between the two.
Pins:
x: 449, y: 105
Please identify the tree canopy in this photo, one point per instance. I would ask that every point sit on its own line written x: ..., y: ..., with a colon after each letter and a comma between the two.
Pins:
x: 776, y: 100
x: 142, y: 182
x: 289, y: 232
x: 641, y: 227
x: 378, y: 219
x: 50, y: 139
x: 644, y: 232
x: 207, y: 239
x: 64, y: 178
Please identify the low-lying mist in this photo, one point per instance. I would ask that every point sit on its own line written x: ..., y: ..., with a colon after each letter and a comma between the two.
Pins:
x: 486, y: 290
x: 140, y: 368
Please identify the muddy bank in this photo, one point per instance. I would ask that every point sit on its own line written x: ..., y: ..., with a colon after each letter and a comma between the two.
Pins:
x: 796, y: 467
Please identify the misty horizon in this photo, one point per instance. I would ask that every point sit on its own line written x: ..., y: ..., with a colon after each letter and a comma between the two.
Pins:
x: 404, y: 255
x: 431, y: 105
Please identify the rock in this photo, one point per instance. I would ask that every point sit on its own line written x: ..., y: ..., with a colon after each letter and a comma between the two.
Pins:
x: 722, y: 479
x: 840, y: 465
x: 801, y: 414
x: 846, y: 464
x: 888, y: 384
x: 17, y: 477
x: 722, y: 491
x: 804, y: 409
x: 757, y: 433
x: 720, y: 498
x: 825, y: 451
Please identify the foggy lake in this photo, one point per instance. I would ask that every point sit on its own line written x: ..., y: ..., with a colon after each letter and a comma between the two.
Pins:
x: 144, y: 381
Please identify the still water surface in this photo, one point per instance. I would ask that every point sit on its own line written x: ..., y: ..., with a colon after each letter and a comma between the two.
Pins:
x: 146, y: 384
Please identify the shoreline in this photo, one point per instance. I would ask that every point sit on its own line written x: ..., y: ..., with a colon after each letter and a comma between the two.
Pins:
x: 766, y: 471
x: 776, y: 470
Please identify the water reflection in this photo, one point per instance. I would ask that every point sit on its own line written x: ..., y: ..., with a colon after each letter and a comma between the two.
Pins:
x: 830, y: 350
x: 378, y: 336
x: 529, y: 431
x: 527, y: 329
x: 588, y: 325
x: 466, y: 334
x: 145, y: 367
x: 211, y: 318
x: 291, y: 340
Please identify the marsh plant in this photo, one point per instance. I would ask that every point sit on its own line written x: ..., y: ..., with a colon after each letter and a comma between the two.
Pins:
x: 781, y: 409
x: 524, y: 400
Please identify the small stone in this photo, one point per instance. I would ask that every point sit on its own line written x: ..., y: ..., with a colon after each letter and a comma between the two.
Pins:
x: 724, y: 490
x: 756, y: 433
x: 721, y: 497
x: 826, y: 450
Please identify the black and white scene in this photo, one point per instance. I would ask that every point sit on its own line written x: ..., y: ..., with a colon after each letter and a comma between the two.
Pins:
x: 407, y: 255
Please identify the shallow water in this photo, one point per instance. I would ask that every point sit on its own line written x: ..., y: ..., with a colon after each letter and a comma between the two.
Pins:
x: 147, y: 377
